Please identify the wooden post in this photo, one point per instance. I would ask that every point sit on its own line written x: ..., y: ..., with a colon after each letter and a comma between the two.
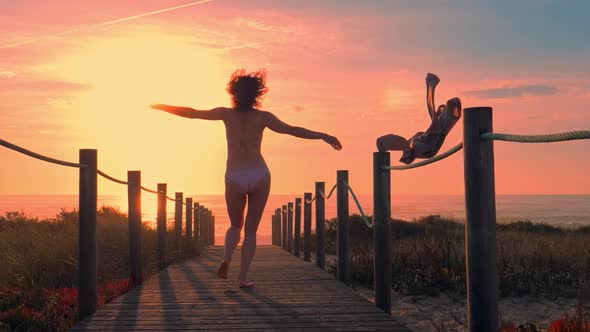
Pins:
x: 297, y: 237
x: 134, y: 208
x: 178, y: 220
x: 284, y: 224
x: 290, y: 227
x: 196, y: 224
x: 161, y: 225
x: 189, y: 222
x: 274, y: 229
x: 208, y: 221
x: 382, y: 231
x: 87, y: 252
x: 203, y: 227
x: 342, y: 245
x: 212, y: 229
x: 278, y: 218
x: 209, y: 227
x: 320, y: 217
x: 306, y: 227
x: 480, y: 228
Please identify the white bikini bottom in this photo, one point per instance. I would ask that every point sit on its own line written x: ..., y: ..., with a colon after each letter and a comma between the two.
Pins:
x: 247, y: 178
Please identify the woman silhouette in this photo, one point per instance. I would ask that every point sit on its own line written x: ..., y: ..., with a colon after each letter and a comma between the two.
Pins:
x: 247, y: 178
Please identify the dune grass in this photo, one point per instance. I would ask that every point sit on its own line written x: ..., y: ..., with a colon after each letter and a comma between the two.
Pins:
x: 39, y: 260
x: 38, y: 278
x: 429, y: 257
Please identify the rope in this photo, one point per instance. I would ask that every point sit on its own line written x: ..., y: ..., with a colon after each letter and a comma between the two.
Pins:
x: 149, y: 190
x: 358, y: 205
x: 108, y: 177
x: 38, y: 156
x: 330, y: 194
x: 322, y: 194
x: 170, y: 199
x: 547, y: 138
x: 434, y: 159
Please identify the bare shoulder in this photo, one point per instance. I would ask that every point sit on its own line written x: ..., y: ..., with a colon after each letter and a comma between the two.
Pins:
x: 220, y: 113
x: 266, y: 115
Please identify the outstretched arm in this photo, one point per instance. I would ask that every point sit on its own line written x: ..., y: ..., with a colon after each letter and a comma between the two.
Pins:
x: 191, y: 113
x: 276, y: 125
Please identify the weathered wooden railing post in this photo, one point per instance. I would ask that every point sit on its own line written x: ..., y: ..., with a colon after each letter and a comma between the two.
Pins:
x: 278, y: 219
x: 306, y: 227
x: 297, y: 236
x: 320, y: 224
x: 290, y: 227
x: 382, y: 231
x: 284, y: 223
x: 178, y: 198
x: 189, y: 223
x: 161, y: 225
x: 203, y: 227
x: 87, y: 251
x: 342, y: 245
x: 480, y: 228
x: 196, y: 224
x: 273, y: 230
x: 209, y: 226
x: 212, y: 229
x: 134, y: 213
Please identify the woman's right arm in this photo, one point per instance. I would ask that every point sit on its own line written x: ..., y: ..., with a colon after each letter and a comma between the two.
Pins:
x: 276, y: 125
x: 217, y: 113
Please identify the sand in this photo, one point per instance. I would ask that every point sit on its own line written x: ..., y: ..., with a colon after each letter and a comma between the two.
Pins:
x: 420, y: 312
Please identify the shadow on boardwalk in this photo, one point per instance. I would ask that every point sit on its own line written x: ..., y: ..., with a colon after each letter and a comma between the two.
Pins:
x: 290, y: 295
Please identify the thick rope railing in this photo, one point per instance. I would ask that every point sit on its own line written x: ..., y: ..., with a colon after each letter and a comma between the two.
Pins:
x: 108, y: 177
x: 323, y: 195
x: 149, y: 190
x: 546, y: 138
x: 39, y: 156
x: 434, y: 159
x: 69, y: 164
x: 358, y: 205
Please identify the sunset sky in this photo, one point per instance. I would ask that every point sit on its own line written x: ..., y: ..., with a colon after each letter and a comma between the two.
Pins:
x: 80, y: 74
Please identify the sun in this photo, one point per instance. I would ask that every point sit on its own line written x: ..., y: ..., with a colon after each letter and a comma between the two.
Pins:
x: 126, y: 74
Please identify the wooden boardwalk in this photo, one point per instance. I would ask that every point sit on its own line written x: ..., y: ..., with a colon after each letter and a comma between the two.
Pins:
x: 290, y: 295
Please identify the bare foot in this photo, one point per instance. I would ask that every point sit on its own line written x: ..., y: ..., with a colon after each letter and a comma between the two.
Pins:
x: 222, y: 270
x: 246, y: 284
x: 392, y: 142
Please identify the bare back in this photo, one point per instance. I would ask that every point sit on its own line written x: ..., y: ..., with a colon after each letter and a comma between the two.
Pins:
x: 244, y: 132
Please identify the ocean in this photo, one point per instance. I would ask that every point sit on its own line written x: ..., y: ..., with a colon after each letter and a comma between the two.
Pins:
x: 560, y: 210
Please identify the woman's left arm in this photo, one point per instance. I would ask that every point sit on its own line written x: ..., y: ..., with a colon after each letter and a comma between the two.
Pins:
x: 217, y: 113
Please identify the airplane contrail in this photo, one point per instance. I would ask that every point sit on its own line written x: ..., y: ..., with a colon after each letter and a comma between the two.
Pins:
x: 29, y: 41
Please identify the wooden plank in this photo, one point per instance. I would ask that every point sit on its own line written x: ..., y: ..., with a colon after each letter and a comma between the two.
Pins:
x: 290, y: 295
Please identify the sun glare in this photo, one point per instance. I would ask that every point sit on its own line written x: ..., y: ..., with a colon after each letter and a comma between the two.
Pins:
x: 124, y: 76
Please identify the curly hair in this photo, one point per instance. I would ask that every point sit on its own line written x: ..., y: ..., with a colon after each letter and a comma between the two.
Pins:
x: 247, y: 90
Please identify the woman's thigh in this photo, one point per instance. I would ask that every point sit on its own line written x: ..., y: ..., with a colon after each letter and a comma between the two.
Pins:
x: 257, y: 199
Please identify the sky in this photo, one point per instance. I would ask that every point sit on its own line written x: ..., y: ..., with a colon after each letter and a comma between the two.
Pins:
x: 80, y: 74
